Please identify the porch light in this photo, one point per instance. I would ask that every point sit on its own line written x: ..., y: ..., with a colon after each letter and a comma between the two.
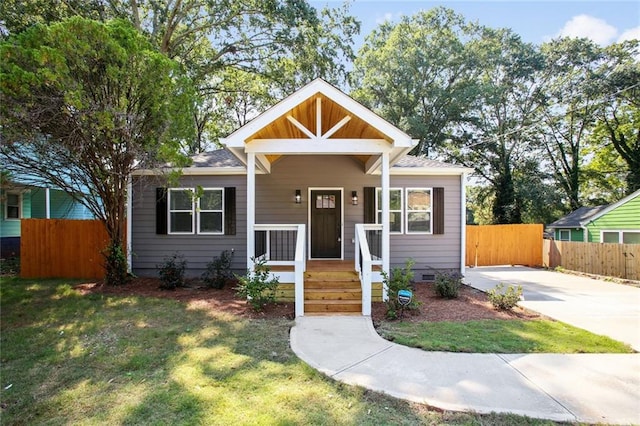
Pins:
x: 298, y: 196
x: 354, y: 198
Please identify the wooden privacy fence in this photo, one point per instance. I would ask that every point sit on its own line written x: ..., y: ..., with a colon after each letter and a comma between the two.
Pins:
x: 611, y: 260
x: 62, y: 248
x: 504, y: 245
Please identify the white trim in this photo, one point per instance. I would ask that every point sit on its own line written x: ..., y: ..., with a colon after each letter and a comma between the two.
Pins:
x: 401, y: 190
x: 620, y: 233
x: 199, y: 211
x: 309, y: 204
x: 318, y: 146
x: 169, y: 210
x: 20, y: 206
x: 300, y: 127
x: 251, y: 208
x: 430, y: 211
x: 611, y: 207
x: 386, y: 239
x: 337, y: 127
x: 560, y: 230
x: 193, y: 171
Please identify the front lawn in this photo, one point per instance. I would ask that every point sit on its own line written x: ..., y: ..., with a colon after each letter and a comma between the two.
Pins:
x: 104, y: 359
x: 500, y: 336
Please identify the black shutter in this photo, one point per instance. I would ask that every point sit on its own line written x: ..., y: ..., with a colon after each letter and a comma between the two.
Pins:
x: 438, y: 210
x: 230, y: 211
x: 370, y: 204
x: 161, y: 211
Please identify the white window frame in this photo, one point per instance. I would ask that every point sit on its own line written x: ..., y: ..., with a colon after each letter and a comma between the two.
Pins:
x: 401, y: 211
x: 620, y: 233
x: 560, y: 231
x: 6, y: 206
x: 192, y: 211
x: 407, y: 211
x: 199, y: 211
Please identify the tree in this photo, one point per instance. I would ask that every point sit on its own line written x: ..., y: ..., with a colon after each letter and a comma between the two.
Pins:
x: 495, y: 141
x: 84, y: 104
x: 419, y: 75
x: 569, y: 111
x: 619, y: 115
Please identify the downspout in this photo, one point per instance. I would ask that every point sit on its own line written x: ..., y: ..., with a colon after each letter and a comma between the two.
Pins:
x: 463, y: 221
x: 129, y: 224
x: 47, y: 203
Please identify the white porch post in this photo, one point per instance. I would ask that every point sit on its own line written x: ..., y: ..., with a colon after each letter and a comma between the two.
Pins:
x: 251, y: 207
x: 47, y: 203
x: 386, y: 242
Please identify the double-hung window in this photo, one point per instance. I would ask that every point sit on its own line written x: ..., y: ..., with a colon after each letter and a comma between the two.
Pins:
x: 12, y: 206
x: 211, y: 211
x: 621, y: 237
x: 564, y: 235
x: 395, y: 209
x: 181, y: 211
x: 418, y: 212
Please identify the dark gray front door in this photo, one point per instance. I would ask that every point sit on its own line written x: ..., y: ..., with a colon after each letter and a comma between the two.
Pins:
x: 326, y: 216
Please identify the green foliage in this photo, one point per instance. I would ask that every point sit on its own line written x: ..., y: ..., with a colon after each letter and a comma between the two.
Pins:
x: 257, y: 286
x: 171, y: 271
x: 400, y: 279
x: 447, y: 284
x: 115, y: 265
x: 10, y: 266
x: 218, y: 271
x: 502, y: 299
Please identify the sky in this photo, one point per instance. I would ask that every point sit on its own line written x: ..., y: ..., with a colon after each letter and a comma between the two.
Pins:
x: 603, y: 21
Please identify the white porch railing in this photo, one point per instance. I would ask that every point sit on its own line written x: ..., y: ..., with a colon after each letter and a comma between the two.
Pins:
x: 283, y: 245
x: 368, y: 236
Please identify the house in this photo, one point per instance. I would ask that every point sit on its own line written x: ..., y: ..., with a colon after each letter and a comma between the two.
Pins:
x: 615, y: 223
x: 321, y: 188
x: 19, y: 200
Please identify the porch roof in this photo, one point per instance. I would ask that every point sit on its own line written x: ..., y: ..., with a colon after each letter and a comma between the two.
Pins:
x: 319, y: 119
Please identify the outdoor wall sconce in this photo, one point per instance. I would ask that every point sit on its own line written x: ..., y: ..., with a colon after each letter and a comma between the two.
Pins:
x: 298, y: 196
x: 354, y: 198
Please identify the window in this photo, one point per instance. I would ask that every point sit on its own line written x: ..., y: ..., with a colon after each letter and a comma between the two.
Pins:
x: 564, y: 235
x: 181, y: 215
x: 622, y: 237
x: 395, y: 209
x: 12, y: 208
x: 211, y: 211
x: 418, y: 210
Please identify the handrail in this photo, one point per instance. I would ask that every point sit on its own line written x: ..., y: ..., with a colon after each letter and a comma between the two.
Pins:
x: 364, y: 263
x: 299, y: 262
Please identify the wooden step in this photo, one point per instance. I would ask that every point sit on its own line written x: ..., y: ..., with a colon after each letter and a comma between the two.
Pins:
x: 333, y: 294
x: 333, y: 285
x: 334, y: 306
x: 331, y: 275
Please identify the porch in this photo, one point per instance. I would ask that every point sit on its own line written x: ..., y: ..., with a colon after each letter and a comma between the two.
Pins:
x: 322, y: 287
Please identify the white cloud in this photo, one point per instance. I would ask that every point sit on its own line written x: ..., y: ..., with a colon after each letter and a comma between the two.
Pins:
x: 388, y: 17
x: 590, y: 27
x: 631, y: 34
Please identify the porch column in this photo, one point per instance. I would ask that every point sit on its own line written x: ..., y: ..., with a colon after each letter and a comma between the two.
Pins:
x: 251, y: 207
x: 385, y: 214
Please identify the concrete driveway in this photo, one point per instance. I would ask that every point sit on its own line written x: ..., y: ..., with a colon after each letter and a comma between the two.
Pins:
x: 598, y: 306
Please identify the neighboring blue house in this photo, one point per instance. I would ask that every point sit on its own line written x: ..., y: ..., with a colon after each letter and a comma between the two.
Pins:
x: 22, y: 201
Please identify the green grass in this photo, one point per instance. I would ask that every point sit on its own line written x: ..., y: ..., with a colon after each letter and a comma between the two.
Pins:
x: 500, y: 336
x: 73, y: 359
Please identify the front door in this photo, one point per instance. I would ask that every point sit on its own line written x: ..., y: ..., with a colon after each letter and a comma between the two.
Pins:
x: 326, y: 224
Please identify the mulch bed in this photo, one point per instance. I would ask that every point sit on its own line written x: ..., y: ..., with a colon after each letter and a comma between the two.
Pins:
x: 471, y: 304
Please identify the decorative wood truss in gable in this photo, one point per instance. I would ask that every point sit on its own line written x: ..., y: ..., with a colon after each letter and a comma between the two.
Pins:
x: 319, y: 119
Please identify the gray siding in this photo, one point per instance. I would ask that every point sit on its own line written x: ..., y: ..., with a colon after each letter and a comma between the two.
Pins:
x: 149, y: 249
x: 275, y: 205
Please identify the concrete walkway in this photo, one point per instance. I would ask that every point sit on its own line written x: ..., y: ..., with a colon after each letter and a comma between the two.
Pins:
x: 598, y: 306
x: 588, y: 388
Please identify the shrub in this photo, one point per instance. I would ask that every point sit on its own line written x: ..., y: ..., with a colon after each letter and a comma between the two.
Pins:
x: 218, y: 271
x: 257, y: 287
x: 504, y: 300
x: 448, y: 284
x: 10, y: 266
x: 172, y: 271
x: 400, y: 279
x: 115, y: 265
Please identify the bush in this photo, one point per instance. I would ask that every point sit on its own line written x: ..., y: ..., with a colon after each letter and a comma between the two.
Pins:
x: 10, y: 266
x: 257, y: 287
x: 448, y: 284
x: 115, y: 265
x: 172, y: 271
x: 505, y: 300
x: 400, y: 279
x: 218, y: 270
